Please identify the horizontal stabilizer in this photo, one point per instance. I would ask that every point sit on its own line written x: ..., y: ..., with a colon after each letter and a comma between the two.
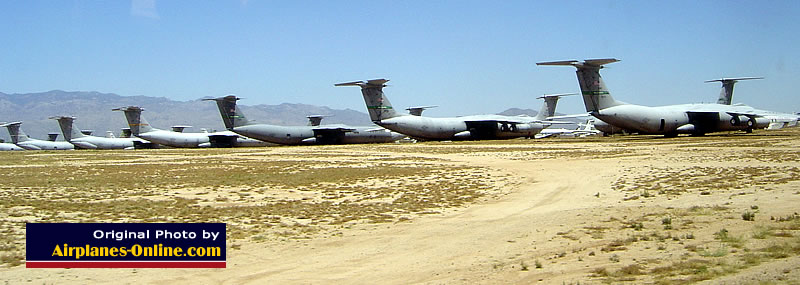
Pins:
x: 556, y: 95
x: 228, y: 97
x: 128, y: 108
x: 588, y: 62
x: 422, y: 107
x: 417, y: 110
x: 733, y: 79
x: 10, y: 124
x: 373, y: 82
x: 563, y: 62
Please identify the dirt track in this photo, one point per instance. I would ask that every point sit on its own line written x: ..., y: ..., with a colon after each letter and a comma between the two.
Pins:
x: 561, y: 212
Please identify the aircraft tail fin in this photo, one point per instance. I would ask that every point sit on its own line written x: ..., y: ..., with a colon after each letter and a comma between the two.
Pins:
x: 595, y: 93
x: 231, y: 115
x: 549, y: 106
x: 16, y: 133
x: 68, y: 130
x: 136, y: 122
x: 726, y: 94
x: 378, y: 105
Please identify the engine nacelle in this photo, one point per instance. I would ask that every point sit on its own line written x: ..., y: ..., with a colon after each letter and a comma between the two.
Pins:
x: 759, y: 123
x: 740, y: 121
x: 522, y: 128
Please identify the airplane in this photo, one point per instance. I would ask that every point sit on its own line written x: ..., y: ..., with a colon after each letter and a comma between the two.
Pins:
x: 22, y: 140
x: 777, y: 120
x: 235, y: 121
x: 476, y: 127
x: 75, y: 137
x: 670, y: 120
x: 725, y: 98
x: 583, y: 130
x: 177, y: 138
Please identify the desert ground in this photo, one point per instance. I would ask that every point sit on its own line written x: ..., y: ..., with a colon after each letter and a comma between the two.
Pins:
x: 717, y: 209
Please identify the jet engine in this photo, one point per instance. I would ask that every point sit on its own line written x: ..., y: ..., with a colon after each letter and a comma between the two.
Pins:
x: 516, y: 128
x: 740, y: 121
x: 758, y: 123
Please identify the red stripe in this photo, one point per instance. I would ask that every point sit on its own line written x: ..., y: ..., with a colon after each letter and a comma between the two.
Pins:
x: 124, y: 264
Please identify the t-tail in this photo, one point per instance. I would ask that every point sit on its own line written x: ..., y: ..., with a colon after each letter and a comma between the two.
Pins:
x: 16, y: 133
x: 549, y: 106
x: 594, y: 91
x: 726, y: 94
x: 135, y: 120
x: 69, y: 131
x: 231, y: 115
x: 315, y: 120
x: 378, y: 105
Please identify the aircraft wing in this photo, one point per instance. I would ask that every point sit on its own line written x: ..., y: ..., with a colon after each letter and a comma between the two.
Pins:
x: 333, y: 129
x: 569, y: 116
x: 557, y: 122
x: 747, y: 114
x: 522, y: 120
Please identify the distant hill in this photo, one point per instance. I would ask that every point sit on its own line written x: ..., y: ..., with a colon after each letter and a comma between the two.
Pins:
x: 518, y: 111
x: 93, y: 112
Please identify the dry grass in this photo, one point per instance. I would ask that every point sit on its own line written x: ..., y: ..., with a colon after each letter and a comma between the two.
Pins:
x: 261, y: 196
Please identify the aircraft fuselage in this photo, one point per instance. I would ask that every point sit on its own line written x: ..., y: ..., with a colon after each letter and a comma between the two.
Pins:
x: 685, y: 118
x: 467, y: 127
x: 326, y: 134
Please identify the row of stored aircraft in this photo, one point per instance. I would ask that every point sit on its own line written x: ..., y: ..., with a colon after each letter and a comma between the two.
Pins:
x: 243, y: 132
x: 611, y: 116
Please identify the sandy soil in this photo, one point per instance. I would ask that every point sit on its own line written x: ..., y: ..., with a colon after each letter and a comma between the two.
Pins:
x: 576, y: 211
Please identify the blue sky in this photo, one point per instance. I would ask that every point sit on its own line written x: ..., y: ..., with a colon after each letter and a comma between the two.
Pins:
x: 469, y: 57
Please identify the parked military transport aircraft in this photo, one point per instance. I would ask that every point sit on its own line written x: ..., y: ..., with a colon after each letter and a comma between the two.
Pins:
x: 671, y: 120
x: 22, y: 140
x: 72, y: 135
x: 140, y: 128
x: 9, y: 146
x: 474, y: 127
x: 235, y: 121
x: 777, y: 120
x: 583, y: 130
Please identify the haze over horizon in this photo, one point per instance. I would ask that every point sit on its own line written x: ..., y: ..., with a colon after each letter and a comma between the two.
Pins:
x: 468, y: 57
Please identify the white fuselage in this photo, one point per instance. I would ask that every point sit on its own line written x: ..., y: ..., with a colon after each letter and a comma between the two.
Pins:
x: 175, y: 139
x: 92, y: 142
x: 293, y: 135
x: 684, y: 118
x: 479, y: 126
x: 34, y: 144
